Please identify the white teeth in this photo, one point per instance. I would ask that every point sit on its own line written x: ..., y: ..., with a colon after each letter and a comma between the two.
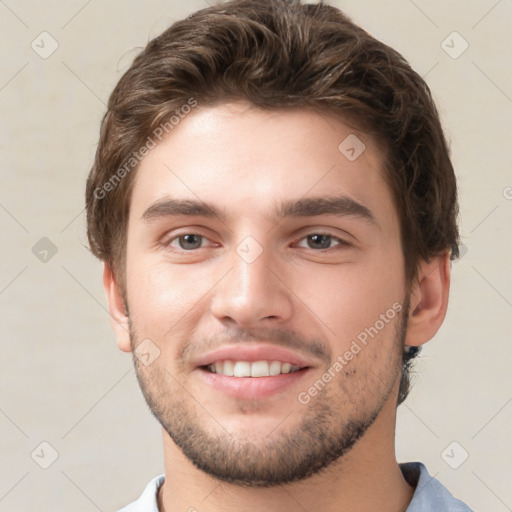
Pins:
x: 275, y: 368
x: 228, y: 368
x: 242, y: 369
x: 251, y: 369
x: 259, y: 369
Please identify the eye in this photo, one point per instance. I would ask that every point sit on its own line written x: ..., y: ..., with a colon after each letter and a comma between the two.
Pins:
x: 188, y: 241
x: 321, y: 241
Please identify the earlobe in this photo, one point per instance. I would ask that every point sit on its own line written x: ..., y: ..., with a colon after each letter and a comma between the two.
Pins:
x: 118, y: 315
x: 429, y: 300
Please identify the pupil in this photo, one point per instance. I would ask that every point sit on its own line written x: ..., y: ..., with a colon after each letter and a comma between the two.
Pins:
x: 322, y: 241
x: 190, y: 241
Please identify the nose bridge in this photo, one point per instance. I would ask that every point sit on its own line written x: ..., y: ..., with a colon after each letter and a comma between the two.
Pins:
x: 251, y: 272
x: 251, y: 291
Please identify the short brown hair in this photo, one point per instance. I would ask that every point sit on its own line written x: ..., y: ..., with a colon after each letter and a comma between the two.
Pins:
x: 279, y: 54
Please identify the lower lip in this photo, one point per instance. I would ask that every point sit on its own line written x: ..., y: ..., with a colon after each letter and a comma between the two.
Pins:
x: 252, y: 388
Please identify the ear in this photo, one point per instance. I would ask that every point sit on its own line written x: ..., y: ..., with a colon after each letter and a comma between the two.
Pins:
x: 118, y: 313
x: 429, y: 300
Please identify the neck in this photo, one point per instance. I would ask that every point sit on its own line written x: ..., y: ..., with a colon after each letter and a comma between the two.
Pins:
x: 367, y: 478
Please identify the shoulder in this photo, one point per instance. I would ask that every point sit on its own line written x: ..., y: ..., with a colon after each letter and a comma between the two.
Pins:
x: 430, y: 494
x: 147, y: 501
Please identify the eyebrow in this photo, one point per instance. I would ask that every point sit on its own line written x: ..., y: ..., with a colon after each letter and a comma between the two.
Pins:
x: 342, y: 206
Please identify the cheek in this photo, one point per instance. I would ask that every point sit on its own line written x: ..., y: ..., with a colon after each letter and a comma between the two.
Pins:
x: 163, y: 297
x: 350, y: 298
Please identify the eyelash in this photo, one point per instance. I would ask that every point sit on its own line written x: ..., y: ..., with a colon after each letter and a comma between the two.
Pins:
x: 340, y: 241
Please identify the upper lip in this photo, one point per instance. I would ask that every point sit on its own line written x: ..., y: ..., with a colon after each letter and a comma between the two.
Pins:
x: 252, y: 352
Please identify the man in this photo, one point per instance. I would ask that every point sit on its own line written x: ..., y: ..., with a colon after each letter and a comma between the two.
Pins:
x: 275, y: 205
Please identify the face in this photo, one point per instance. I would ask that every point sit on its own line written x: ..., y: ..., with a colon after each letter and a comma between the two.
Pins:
x: 265, y: 286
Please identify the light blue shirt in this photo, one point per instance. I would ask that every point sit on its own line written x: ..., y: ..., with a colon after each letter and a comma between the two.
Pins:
x: 430, y: 494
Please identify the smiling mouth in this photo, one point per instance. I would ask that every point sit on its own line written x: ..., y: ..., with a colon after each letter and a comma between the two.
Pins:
x: 263, y: 368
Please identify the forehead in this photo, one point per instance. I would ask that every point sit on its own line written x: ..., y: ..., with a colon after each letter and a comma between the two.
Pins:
x: 248, y: 161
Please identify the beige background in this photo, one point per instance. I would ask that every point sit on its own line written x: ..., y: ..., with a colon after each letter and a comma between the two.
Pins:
x: 62, y: 379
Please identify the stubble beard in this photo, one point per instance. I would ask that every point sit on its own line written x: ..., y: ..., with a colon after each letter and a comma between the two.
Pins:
x: 332, y: 423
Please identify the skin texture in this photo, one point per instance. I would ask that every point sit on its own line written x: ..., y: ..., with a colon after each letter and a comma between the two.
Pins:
x: 337, y: 450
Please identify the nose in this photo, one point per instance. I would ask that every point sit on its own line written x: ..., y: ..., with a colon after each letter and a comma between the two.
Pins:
x: 252, y: 292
